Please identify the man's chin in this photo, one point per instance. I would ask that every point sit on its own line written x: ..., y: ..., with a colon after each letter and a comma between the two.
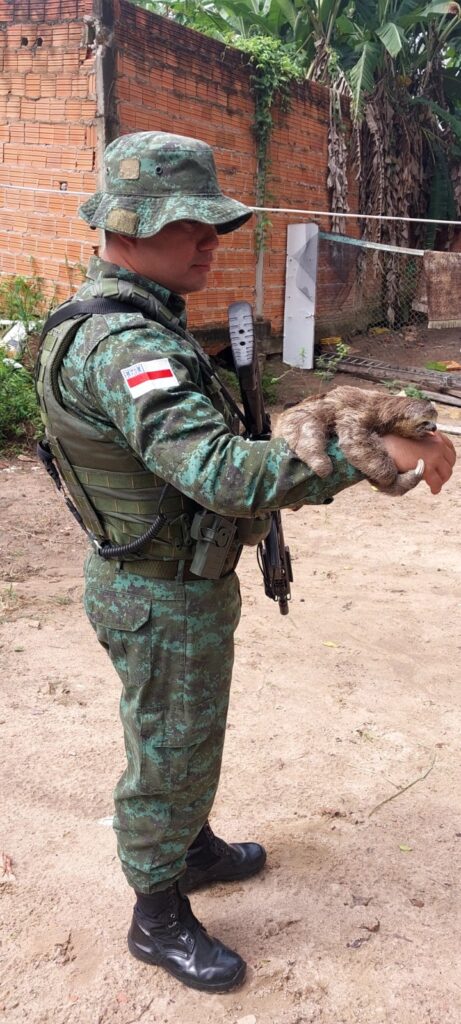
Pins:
x: 196, y: 283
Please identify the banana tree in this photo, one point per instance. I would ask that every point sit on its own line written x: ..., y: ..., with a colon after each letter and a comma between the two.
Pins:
x: 399, y: 62
x: 227, y: 21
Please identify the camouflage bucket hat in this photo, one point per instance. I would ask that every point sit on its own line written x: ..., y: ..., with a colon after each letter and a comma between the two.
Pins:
x: 154, y: 178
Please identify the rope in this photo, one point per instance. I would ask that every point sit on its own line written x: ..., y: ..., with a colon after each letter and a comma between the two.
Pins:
x: 359, y: 216
x: 262, y: 209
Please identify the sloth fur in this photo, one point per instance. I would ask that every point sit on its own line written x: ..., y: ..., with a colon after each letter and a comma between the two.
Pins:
x: 359, y: 419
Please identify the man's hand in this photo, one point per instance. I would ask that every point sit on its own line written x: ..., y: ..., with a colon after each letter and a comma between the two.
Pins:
x: 437, y: 451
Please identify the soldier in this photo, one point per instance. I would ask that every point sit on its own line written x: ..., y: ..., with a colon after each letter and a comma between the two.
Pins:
x: 145, y: 440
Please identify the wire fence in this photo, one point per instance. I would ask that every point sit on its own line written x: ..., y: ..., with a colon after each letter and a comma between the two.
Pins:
x: 364, y: 285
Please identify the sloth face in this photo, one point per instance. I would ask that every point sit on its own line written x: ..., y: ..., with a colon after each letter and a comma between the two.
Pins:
x: 418, y: 417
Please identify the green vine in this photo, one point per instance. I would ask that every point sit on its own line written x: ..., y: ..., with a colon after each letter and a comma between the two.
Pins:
x: 274, y: 71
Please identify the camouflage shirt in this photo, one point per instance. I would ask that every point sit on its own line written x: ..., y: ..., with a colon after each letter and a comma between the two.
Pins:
x: 174, y: 428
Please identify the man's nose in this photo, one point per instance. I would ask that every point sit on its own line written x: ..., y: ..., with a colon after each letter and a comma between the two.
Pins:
x: 209, y: 239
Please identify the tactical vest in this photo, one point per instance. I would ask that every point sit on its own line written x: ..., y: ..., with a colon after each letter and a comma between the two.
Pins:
x: 115, y: 495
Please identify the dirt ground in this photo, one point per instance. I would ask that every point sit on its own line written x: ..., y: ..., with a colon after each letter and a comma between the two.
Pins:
x: 335, y: 708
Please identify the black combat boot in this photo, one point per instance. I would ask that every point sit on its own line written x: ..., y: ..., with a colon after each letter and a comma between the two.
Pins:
x: 165, y: 932
x: 210, y: 859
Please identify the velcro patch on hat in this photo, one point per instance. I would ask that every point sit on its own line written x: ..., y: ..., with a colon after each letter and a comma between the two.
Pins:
x: 129, y: 168
x: 153, y: 375
x: 123, y: 221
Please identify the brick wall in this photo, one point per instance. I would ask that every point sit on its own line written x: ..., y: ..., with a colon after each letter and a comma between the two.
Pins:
x: 77, y: 73
x: 47, y: 140
x: 298, y: 180
x: 182, y: 82
x: 176, y: 80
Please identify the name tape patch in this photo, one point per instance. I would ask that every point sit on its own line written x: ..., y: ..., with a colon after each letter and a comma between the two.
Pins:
x: 154, y: 375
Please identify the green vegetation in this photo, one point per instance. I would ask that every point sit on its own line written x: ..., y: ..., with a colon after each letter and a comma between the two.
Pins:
x: 269, y: 388
x: 397, y: 63
x: 325, y: 366
x: 230, y: 380
x: 397, y: 387
x: 23, y: 300
x: 274, y: 70
x: 412, y: 391
x: 20, y: 421
x: 435, y: 364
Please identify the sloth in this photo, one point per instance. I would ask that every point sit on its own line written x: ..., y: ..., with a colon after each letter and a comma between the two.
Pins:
x: 359, y: 418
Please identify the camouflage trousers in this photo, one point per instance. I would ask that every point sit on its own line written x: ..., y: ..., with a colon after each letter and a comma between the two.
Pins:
x: 172, y: 644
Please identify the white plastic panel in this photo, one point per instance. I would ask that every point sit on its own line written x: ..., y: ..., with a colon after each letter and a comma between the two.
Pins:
x: 300, y: 288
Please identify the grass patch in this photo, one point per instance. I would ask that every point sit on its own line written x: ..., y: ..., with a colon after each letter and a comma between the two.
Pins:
x: 20, y: 422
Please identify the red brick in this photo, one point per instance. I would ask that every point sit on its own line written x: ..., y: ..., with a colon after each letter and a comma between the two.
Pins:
x: 60, y: 35
x: 13, y: 107
x: 28, y: 109
x: 63, y: 84
x: 24, y: 62
x: 32, y: 86
x: 10, y: 61
x: 48, y: 87
x: 90, y: 139
x: 13, y: 36
x: 80, y: 86
x: 55, y: 63
x: 18, y: 84
x: 17, y: 133
x: 74, y: 110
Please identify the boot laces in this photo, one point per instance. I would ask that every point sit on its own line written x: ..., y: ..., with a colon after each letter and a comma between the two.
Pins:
x: 217, y: 845
x: 185, y: 917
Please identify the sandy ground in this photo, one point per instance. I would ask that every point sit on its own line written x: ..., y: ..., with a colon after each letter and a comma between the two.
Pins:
x: 336, y: 707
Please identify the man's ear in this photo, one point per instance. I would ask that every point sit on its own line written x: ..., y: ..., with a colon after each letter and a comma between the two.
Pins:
x: 118, y: 245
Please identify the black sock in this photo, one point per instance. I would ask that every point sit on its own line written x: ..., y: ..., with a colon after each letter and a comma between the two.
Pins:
x: 152, y: 904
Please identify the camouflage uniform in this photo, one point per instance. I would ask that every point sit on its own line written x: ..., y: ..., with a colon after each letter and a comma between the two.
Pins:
x: 170, y: 639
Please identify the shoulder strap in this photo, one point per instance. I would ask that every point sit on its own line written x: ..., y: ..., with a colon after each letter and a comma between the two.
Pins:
x: 91, y: 307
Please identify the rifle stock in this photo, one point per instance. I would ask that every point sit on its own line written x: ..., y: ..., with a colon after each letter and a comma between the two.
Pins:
x: 273, y: 555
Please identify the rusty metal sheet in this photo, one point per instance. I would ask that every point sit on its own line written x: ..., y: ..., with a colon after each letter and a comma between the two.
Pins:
x: 442, y: 272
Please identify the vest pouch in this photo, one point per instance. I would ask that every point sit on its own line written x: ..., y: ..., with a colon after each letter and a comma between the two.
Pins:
x: 86, y: 510
x: 252, y: 531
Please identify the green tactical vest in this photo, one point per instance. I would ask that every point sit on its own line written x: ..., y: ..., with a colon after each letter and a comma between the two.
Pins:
x: 115, y: 495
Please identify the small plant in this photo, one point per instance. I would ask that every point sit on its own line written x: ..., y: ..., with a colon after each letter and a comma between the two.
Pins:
x: 396, y: 387
x: 23, y: 299
x: 19, y: 413
x: 327, y: 365
x: 9, y: 600
x: 413, y: 392
x: 269, y: 388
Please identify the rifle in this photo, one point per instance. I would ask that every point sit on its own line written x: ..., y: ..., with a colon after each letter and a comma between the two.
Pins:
x: 273, y: 555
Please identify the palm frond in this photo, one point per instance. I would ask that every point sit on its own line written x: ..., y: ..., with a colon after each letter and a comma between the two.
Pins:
x: 391, y: 37
x: 362, y: 76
